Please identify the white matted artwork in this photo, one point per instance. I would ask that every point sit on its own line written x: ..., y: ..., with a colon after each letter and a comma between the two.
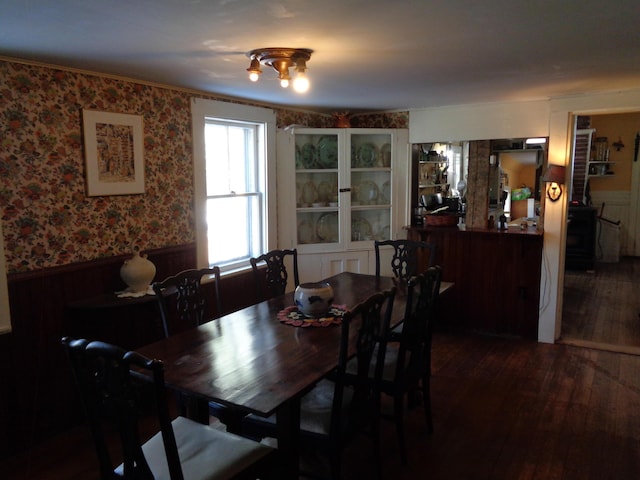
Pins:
x: 113, y: 153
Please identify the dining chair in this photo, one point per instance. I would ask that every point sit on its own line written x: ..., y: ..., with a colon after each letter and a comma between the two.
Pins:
x: 407, y: 363
x: 408, y: 255
x: 182, y: 302
x: 181, y: 449
x: 275, y: 276
x: 340, y: 407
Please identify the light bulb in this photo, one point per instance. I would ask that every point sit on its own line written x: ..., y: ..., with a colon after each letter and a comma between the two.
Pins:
x: 301, y: 83
x: 253, y: 76
x: 284, y: 82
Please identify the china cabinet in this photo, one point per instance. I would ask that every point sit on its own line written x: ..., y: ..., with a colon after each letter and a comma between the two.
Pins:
x: 340, y: 189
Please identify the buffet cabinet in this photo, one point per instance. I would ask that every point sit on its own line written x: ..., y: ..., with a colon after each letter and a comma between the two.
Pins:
x: 338, y: 191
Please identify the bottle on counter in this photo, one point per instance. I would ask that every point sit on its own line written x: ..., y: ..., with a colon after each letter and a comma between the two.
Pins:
x: 502, y: 222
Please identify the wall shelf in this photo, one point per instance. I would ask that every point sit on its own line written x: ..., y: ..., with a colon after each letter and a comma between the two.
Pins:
x: 599, y: 168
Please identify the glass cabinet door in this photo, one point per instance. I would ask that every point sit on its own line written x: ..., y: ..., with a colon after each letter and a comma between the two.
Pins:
x: 316, y: 175
x: 370, y: 180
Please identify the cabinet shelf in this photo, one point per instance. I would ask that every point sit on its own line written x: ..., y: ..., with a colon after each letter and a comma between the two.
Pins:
x: 372, y: 169
x: 599, y: 168
x: 317, y: 170
x: 432, y: 175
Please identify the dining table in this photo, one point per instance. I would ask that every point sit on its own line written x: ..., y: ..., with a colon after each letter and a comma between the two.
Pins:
x: 253, y: 362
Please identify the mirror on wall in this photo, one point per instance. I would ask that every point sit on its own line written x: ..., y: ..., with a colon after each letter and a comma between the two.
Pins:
x: 516, y: 166
x: 509, y: 180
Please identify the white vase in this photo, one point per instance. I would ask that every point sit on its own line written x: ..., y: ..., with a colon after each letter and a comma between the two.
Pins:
x: 138, y: 272
x: 314, y: 299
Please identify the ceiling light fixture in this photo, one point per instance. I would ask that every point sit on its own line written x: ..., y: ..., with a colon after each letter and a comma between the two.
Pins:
x: 281, y: 60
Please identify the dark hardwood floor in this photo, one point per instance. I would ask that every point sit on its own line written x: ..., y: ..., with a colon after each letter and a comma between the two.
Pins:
x: 601, y: 309
x: 503, y: 409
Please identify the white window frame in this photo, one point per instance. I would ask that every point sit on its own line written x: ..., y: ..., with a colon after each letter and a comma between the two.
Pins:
x: 201, y: 109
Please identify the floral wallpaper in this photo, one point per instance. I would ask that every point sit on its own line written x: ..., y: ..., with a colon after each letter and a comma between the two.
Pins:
x: 47, y: 219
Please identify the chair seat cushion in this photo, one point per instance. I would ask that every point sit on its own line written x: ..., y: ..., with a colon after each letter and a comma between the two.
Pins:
x: 315, y: 409
x: 389, y: 365
x: 204, y: 453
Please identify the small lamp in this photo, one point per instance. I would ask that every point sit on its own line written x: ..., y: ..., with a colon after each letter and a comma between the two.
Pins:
x: 554, y: 177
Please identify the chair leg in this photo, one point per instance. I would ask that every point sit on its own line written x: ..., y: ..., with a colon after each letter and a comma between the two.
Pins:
x: 375, y: 434
x: 426, y: 401
x: 334, y: 460
x: 398, y: 412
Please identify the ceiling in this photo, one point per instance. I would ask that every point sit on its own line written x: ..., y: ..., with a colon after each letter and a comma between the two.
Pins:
x: 369, y: 55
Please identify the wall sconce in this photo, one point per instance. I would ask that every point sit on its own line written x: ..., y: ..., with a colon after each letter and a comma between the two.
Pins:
x: 618, y: 145
x: 281, y: 60
x: 554, y: 177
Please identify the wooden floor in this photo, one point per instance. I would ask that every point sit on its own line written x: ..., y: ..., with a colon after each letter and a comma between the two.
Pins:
x: 601, y: 309
x: 503, y: 409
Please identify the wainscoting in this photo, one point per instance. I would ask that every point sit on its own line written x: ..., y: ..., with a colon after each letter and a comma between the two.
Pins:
x: 37, y: 398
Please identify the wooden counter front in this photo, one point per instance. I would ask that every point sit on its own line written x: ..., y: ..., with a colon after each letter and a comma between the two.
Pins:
x: 496, y: 276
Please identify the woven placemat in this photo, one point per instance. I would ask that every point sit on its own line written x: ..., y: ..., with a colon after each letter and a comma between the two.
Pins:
x: 292, y: 316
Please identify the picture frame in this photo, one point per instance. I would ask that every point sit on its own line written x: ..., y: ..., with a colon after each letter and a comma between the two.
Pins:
x: 114, y: 153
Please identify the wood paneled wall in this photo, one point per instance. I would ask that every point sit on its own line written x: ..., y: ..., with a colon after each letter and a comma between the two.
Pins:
x: 496, y: 276
x: 37, y: 398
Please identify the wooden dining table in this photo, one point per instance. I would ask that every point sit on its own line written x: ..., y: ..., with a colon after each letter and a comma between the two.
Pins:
x: 252, y: 362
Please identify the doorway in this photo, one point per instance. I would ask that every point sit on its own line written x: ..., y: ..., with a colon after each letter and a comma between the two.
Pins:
x: 600, y: 306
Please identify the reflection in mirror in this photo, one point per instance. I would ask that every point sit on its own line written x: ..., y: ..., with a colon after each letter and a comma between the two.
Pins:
x: 518, y: 168
x: 439, y: 170
x: 510, y: 185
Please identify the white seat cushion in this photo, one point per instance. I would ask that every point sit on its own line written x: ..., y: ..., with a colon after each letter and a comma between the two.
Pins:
x: 389, y: 366
x: 315, y: 408
x: 205, y: 453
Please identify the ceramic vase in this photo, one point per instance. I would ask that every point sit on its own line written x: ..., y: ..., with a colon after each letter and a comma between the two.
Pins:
x: 138, y: 272
x: 341, y: 120
x: 314, y: 299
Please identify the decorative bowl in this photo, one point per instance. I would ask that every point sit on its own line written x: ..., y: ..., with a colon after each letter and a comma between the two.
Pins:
x: 313, y: 299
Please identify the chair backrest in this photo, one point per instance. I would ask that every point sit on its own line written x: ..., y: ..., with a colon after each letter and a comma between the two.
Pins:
x: 415, y: 340
x: 180, y: 298
x: 368, y: 317
x: 108, y: 393
x: 408, y: 255
x: 275, y: 272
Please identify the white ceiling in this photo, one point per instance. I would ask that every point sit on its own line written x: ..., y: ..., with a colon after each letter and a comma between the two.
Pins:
x: 368, y: 54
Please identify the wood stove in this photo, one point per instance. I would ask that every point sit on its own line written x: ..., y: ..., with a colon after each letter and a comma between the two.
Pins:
x: 581, y: 238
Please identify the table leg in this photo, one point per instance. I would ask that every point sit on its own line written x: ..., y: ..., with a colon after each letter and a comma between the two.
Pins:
x: 288, y: 431
x: 197, y: 409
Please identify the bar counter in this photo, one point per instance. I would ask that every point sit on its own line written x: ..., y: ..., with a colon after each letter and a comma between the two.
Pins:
x: 496, y: 275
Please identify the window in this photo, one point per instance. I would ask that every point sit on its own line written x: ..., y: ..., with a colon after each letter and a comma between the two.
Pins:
x: 232, y: 175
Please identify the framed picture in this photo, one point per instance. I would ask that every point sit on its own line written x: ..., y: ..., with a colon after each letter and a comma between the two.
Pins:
x: 113, y: 153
